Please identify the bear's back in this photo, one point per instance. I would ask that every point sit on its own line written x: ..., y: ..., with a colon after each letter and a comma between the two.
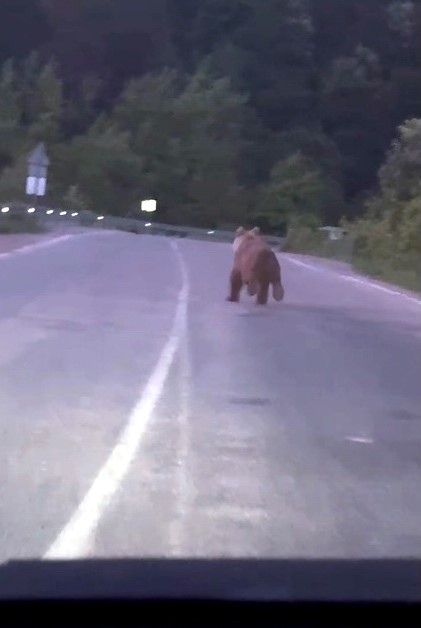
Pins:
x: 247, y: 254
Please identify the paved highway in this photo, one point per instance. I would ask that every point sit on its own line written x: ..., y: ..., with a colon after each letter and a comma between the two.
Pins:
x: 142, y: 415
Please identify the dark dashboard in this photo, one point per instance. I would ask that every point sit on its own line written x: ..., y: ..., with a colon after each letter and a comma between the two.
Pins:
x: 166, y: 592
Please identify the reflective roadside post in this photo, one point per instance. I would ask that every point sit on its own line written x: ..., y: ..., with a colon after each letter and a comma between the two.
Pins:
x: 148, y: 206
x: 36, y: 181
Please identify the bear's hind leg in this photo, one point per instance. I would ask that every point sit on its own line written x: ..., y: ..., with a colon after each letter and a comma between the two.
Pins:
x: 263, y: 293
x: 278, y: 291
x: 236, y: 284
x: 252, y: 287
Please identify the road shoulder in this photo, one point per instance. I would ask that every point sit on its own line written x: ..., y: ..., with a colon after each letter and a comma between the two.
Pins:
x: 347, y: 272
x: 15, y: 241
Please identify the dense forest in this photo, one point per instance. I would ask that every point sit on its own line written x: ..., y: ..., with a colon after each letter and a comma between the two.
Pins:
x: 279, y: 112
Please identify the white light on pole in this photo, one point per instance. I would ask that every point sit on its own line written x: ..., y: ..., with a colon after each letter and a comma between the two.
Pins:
x: 148, y: 224
x: 50, y: 211
x: 100, y: 217
x: 74, y: 214
x: 148, y: 205
x: 4, y: 210
x: 63, y: 213
x: 31, y: 210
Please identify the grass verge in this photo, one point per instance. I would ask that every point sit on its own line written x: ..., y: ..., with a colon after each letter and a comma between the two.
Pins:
x: 309, y: 242
x: 403, y: 272
x: 407, y: 277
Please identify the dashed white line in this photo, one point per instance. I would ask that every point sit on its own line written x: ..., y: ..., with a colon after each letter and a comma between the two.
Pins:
x: 75, y: 539
x: 360, y: 439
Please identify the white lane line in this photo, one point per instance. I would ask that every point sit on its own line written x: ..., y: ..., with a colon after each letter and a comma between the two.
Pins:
x: 76, y: 537
x: 363, y: 282
x: 369, y: 284
x: 304, y: 265
x: 36, y: 245
x: 183, y: 483
x: 360, y: 439
x: 28, y: 248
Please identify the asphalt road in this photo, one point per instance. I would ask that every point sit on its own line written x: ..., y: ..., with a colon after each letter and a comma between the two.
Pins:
x: 142, y: 415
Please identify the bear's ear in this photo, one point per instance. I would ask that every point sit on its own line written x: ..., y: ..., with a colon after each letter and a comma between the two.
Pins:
x: 240, y: 231
x: 255, y: 230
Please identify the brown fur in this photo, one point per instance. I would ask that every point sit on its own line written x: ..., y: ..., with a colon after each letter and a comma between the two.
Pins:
x: 255, y: 265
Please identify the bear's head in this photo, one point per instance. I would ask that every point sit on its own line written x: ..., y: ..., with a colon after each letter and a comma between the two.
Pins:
x: 242, y: 234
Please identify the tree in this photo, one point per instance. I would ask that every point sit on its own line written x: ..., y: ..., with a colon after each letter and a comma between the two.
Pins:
x: 46, y: 105
x: 10, y: 113
x: 209, y: 118
x: 294, y: 194
x: 389, y: 235
x: 114, y: 40
x: 186, y: 135
x: 79, y: 112
x: 268, y: 50
x: 399, y: 200
x: 146, y: 112
x: 251, y: 83
x: 401, y: 18
x: 400, y: 176
x: 356, y: 115
x: 74, y: 200
x: 103, y: 167
x: 12, y: 179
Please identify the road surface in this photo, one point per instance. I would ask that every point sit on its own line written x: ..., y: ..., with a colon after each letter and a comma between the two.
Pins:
x: 142, y: 415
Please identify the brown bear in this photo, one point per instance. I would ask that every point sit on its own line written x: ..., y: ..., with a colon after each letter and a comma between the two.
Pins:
x: 255, y: 265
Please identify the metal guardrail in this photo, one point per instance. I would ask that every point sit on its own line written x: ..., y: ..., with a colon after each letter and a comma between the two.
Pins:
x: 135, y: 225
x: 53, y: 216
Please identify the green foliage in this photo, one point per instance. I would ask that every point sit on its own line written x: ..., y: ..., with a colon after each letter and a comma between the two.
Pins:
x: 12, y: 180
x: 19, y: 223
x: 187, y: 138
x: 103, y: 167
x: 279, y: 111
x: 400, y: 176
x: 74, y: 200
x: 386, y: 241
x: 294, y: 194
x: 352, y: 92
x: 409, y: 227
x: 9, y: 114
x: 310, y: 241
x: 87, y: 218
x: 46, y: 105
x: 388, y: 237
x: 401, y: 16
x: 267, y: 50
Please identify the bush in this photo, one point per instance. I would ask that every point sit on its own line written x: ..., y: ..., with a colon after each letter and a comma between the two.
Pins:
x: 407, y: 274
x: 313, y: 242
x: 86, y: 218
x: 386, y: 242
x: 19, y: 223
